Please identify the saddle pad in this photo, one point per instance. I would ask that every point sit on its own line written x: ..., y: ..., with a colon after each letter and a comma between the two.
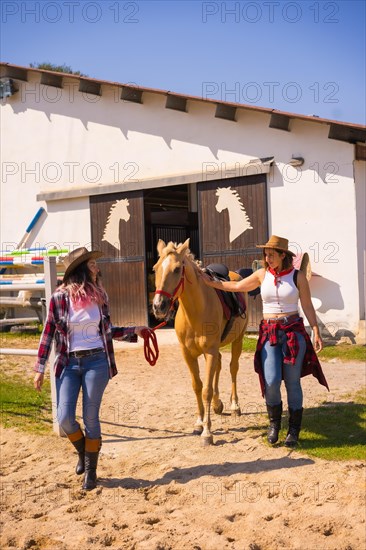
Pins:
x: 226, y: 309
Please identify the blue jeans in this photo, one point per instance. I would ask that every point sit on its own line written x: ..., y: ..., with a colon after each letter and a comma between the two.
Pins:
x: 92, y: 375
x: 274, y: 368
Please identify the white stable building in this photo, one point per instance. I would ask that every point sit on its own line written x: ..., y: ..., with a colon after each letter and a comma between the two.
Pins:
x: 118, y: 167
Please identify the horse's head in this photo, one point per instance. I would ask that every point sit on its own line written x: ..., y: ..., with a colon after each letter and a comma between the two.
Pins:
x: 169, y: 276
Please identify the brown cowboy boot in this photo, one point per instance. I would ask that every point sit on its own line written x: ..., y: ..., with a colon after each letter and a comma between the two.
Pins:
x: 92, y: 448
x: 78, y: 440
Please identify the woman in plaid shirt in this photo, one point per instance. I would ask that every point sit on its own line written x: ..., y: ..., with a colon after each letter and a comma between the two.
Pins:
x: 78, y: 320
x: 284, y: 349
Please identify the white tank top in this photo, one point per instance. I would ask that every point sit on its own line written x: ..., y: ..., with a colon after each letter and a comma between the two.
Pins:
x: 84, y: 327
x: 280, y: 298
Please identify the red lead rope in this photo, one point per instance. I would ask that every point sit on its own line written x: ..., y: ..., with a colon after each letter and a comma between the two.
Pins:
x: 151, y: 348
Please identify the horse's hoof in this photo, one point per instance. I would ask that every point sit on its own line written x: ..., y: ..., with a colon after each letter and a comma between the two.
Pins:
x: 207, y: 440
x: 197, y: 430
x: 219, y: 408
x: 236, y: 412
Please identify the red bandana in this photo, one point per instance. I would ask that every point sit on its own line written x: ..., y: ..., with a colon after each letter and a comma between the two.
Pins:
x: 277, y: 276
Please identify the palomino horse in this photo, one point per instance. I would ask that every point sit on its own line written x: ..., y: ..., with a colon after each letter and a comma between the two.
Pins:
x: 199, y: 324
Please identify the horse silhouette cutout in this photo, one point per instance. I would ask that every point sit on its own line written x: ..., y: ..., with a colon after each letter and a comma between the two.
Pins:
x: 238, y: 218
x: 118, y: 211
x: 199, y: 323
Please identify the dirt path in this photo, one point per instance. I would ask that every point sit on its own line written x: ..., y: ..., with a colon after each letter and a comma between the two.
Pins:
x: 159, y: 489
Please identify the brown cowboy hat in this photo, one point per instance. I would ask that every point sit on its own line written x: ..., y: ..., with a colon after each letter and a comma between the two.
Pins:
x: 77, y: 257
x: 279, y: 243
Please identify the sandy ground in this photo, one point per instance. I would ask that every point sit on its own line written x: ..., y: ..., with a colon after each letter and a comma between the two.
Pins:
x: 159, y: 489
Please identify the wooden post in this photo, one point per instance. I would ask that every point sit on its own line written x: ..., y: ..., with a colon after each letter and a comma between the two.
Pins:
x: 50, y: 278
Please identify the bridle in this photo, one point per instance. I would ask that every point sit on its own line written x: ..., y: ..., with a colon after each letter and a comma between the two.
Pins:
x: 151, y: 348
x: 174, y: 297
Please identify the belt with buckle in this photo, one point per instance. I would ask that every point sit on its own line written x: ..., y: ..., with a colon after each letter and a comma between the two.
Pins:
x: 282, y: 320
x: 85, y: 352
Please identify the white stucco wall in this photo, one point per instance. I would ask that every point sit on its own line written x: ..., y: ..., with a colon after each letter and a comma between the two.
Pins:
x: 70, y: 139
x: 360, y: 192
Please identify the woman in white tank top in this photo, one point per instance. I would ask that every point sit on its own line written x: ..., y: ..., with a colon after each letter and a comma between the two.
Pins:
x: 284, y: 349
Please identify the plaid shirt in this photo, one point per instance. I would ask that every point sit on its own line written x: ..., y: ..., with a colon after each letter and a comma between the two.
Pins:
x: 57, y: 327
x: 269, y: 331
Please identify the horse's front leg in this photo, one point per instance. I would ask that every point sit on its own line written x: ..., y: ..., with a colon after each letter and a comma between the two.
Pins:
x: 193, y: 366
x: 218, y: 405
x: 236, y: 349
x: 207, y: 393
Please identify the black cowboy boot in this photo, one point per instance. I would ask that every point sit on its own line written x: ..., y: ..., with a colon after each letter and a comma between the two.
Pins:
x: 92, y: 448
x: 294, y: 427
x: 274, y: 415
x: 78, y: 440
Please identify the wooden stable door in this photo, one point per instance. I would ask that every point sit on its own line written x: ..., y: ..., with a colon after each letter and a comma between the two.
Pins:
x: 232, y: 220
x: 117, y: 226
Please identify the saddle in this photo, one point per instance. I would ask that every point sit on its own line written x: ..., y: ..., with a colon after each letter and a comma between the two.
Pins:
x: 233, y: 303
x: 245, y: 272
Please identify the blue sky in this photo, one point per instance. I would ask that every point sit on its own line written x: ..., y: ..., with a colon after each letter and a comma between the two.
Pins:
x: 303, y: 57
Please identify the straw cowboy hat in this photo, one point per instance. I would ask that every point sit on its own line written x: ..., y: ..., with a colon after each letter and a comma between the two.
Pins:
x: 77, y: 257
x: 279, y: 243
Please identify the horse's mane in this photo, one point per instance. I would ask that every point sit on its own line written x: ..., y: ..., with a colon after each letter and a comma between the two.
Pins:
x: 171, y: 248
x: 196, y: 263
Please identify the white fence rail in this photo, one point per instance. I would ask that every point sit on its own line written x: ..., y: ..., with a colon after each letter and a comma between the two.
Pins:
x: 50, y: 277
x: 11, y: 351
